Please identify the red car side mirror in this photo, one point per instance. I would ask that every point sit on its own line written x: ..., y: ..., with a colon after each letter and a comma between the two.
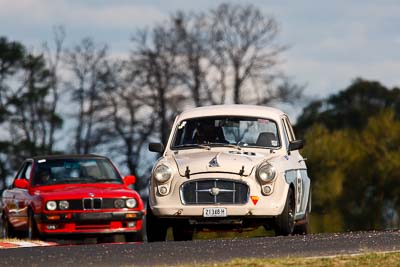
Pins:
x: 129, y: 179
x: 21, y: 183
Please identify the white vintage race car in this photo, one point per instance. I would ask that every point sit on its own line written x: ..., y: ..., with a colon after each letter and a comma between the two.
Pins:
x: 229, y: 167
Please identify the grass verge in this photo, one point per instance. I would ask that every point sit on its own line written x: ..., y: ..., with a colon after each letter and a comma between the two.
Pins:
x: 363, y: 260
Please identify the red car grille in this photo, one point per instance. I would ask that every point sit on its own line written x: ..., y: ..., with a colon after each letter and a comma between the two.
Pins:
x: 92, y: 203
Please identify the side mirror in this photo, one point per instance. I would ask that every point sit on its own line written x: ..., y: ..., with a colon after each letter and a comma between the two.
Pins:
x: 296, y: 145
x: 21, y: 183
x: 156, y: 147
x: 129, y: 179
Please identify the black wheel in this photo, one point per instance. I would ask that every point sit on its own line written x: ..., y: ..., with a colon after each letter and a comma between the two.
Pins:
x: 6, y: 228
x: 183, y: 232
x: 32, y: 227
x: 284, y: 224
x: 156, y: 228
x: 134, y: 237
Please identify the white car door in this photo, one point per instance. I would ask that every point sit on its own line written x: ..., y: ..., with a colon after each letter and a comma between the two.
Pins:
x: 297, y: 169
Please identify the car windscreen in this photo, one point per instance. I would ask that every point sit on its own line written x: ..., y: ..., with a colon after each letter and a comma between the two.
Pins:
x: 226, y: 130
x: 74, y: 171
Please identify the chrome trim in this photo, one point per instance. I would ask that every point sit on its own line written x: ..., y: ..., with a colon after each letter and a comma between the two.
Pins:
x: 208, y: 190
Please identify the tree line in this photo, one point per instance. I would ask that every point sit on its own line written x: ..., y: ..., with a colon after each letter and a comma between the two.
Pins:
x: 352, y: 145
x: 82, y: 99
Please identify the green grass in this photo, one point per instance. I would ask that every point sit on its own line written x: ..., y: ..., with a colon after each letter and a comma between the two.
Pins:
x: 363, y: 260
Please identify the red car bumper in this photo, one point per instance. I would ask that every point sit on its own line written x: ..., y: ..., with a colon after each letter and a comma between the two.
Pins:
x: 90, y: 222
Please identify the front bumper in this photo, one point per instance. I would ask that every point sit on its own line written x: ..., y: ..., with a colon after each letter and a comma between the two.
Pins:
x: 89, y: 222
x: 257, y: 206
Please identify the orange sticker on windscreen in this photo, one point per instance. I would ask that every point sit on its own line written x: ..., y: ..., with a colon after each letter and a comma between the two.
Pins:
x: 254, y: 199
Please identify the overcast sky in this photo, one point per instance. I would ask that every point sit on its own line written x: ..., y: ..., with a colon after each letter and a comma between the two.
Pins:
x: 332, y: 42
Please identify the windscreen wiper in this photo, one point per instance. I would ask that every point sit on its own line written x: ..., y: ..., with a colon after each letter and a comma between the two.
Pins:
x: 228, y: 145
x: 195, y: 146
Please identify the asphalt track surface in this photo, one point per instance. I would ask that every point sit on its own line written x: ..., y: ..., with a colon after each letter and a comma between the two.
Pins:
x: 201, y: 251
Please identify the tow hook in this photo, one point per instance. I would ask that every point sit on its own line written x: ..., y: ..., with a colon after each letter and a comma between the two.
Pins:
x: 179, y: 212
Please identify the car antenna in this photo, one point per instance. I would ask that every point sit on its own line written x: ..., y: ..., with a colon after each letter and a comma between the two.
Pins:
x: 187, y: 172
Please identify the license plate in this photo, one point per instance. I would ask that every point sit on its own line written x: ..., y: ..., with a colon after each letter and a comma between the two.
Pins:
x: 95, y: 216
x: 214, y: 212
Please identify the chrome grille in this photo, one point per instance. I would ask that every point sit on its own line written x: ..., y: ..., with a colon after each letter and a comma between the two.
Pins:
x: 214, y: 191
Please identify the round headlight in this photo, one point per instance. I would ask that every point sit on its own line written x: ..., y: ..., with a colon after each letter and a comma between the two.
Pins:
x: 119, y: 203
x: 63, y: 205
x: 131, y: 203
x: 162, y: 173
x: 51, y: 205
x: 266, y: 173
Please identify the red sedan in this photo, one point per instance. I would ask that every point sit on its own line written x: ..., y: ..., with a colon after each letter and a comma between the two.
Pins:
x: 72, y: 194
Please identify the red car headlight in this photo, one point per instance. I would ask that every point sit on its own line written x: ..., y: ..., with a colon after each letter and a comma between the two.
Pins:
x: 51, y: 205
x: 63, y: 205
x: 131, y: 203
x: 119, y: 203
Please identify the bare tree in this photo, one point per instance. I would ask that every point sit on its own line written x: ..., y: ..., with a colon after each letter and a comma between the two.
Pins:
x: 28, y: 107
x: 244, y: 50
x: 26, y: 112
x: 156, y: 53
x: 192, y: 41
x: 230, y: 55
x: 227, y: 55
x: 53, y: 59
x: 285, y: 92
x: 128, y: 121
x: 87, y: 63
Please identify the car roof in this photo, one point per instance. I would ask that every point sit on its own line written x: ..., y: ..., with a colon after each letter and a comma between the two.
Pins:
x: 233, y: 110
x: 69, y: 156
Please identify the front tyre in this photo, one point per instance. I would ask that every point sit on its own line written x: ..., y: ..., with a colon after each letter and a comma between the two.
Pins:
x: 156, y: 228
x: 32, y: 227
x: 284, y: 223
x: 134, y: 237
x: 183, y: 232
